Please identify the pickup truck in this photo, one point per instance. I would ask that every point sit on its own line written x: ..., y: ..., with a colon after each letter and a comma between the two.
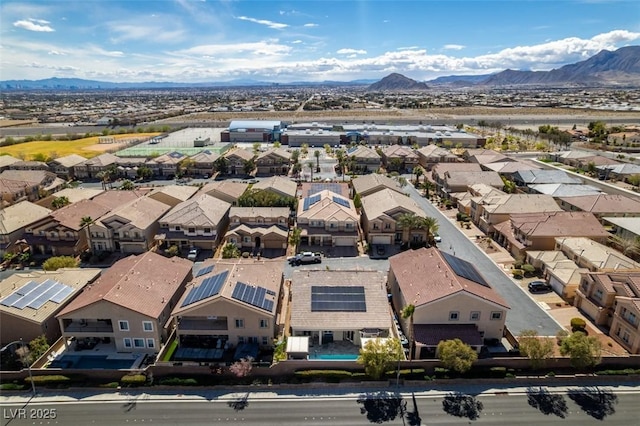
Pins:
x: 305, y: 258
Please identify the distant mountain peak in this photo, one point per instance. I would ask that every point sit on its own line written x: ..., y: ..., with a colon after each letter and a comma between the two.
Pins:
x: 396, y: 82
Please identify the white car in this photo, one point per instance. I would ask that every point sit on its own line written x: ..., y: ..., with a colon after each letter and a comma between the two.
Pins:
x: 437, y: 238
x: 193, y: 254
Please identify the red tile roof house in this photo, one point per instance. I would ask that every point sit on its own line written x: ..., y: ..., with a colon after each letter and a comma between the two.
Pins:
x: 129, y: 304
x: 537, y: 231
x: 451, y: 298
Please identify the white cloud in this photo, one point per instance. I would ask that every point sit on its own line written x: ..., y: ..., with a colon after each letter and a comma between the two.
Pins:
x: 127, y: 31
x: 55, y: 52
x: 296, y: 42
x: 270, y: 24
x: 351, y: 52
x: 453, y: 47
x: 37, y: 25
x: 231, y: 49
x: 311, y: 25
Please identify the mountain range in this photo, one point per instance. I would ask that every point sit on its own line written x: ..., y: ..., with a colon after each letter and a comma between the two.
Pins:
x: 607, y: 68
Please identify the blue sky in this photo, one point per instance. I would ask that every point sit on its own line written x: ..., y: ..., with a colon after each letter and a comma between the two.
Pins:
x: 283, y: 41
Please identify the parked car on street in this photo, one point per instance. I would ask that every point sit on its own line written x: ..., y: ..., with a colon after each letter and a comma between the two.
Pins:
x: 193, y: 254
x: 305, y: 258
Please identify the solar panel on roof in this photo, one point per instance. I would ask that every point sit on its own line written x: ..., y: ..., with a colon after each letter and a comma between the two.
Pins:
x: 62, y: 294
x: 11, y: 299
x: 464, y: 269
x: 338, y: 299
x: 46, y: 295
x: 208, y: 287
x: 28, y: 287
x: 253, y: 295
x: 204, y: 270
x: 341, y: 201
x: 33, y: 295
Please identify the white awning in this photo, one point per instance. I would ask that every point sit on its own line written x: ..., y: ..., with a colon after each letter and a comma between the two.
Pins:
x: 298, y: 344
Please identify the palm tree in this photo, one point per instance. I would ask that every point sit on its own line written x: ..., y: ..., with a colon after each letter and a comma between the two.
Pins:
x: 316, y: 154
x: 294, y: 238
x: 427, y: 185
x: 186, y: 165
x: 429, y: 224
x: 418, y: 172
x: 85, y: 222
x: 59, y: 202
x: 407, y: 313
x: 310, y: 166
x: 406, y: 222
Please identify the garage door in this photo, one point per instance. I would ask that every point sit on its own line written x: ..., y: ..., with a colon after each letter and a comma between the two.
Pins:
x: 556, y: 285
x: 381, y: 239
x: 345, y: 241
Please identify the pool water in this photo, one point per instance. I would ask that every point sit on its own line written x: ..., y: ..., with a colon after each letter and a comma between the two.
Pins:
x: 85, y: 362
x: 334, y: 357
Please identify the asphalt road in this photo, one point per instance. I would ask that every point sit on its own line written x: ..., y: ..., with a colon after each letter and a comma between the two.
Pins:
x: 580, y: 406
x: 525, y: 313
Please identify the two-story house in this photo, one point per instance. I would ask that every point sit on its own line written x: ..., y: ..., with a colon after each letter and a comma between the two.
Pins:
x: 612, y: 301
x: 452, y: 299
x: 30, y: 185
x: 275, y: 161
x: 362, y: 159
x: 89, y: 169
x: 399, y: 158
x: 14, y: 220
x: 225, y: 190
x: 380, y: 214
x: 129, y: 305
x: 64, y: 167
x: 374, y: 182
x: 230, y: 302
x: 203, y: 163
x: 280, y: 186
x: 491, y: 209
x: 166, y: 165
x: 258, y: 227
x: 327, y: 218
x: 130, y: 228
x: 237, y: 160
x: 197, y: 222
x: 430, y: 155
x: 440, y: 171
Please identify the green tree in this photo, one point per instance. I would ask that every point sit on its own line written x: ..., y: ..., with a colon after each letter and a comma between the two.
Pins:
x: 295, y: 156
x: 407, y: 313
x: 379, y: 356
x: 418, y: 171
x: 316, y: 154
x: 256, y: 147
x: 85, y: 222
x: 357, y: 201
x: 592, y: 170
x: 221, y: 165
x: 402, y: 181
x: 635, y: 181
x: 57, y: 262
x: 537, y: 349
x: 144, y: 172
x: 509, y: 186
x: 172, y: 251
x: 584, y: 351
x: 277, y: 144
x: 294, y: 237
x: 304, y: 149
x: 456, y: 355
x: 127, y: 185
x: 248, y: 166
x: 185, y: 166
x: 38, y: 347
x: 230, y: 251
x: 310, y: 166
x: 427, y: 185
x: 59, y: 202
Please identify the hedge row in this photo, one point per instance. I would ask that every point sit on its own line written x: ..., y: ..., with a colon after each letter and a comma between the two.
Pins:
x: 133, y: 379
x: 625, y: 372
x: 177, y: 381
x: 46, y: 380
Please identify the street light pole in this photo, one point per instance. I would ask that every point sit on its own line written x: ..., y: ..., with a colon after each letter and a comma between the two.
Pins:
x: 22, y: 345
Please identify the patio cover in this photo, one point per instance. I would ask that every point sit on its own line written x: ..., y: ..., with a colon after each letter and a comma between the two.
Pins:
x: 432, y: 334
x: 298, y: 345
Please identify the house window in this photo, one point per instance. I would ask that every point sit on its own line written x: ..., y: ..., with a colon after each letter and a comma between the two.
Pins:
x: 138, y: 342
x: 264, y: 323
x: 349, y: 225
x: 240, y: 340
x: 239, y: 323
x: 151, y: 343
x: 123, y: 325
x: 265, y: 340
x: 192, y: 230
x: 387, y: 226
x: 136, y: 234
x: 127, y: 342
x: 598, y: 294
x: 454, y: 315
x: 246, y: 239
x: 475, y: 316
x: 631, y: 318
x: 375, y: 226
x: 496, y: 315
x: 126, y: 234
x: 177, y: 227
x: 147, y: 325
x: 207, y: 230
x: 253, y: 339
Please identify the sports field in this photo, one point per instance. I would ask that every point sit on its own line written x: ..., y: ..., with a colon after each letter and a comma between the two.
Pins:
x: 86, y: 147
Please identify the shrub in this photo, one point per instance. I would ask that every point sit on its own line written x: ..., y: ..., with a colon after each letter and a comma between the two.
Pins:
x: 578, y: 324
x: 551, y: 374
x: 416, y: 374
x: 11, y: 386
x: 46, y: 380
x: 177, y: 381
x: 498, y: 371
x: 528, y: 269
x: 112, y: 385
x: 517, y: 273
x: 133, y: 379
x: 624, y: 372
x: 331, y: 376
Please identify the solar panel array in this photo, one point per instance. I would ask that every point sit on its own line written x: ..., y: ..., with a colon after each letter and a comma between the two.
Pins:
x: 341, y: 201
x: 254, y: 296
x: 321, y: 186
x: 337, y: 299
x: 309, y: 201
x: 208, y: 287
x: 464, y: 269
x: 34, y: 295
x: 204, y: 270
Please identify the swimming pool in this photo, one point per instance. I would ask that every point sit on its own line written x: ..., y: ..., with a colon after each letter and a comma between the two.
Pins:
x: 334, y: 357
x: 93, y: 362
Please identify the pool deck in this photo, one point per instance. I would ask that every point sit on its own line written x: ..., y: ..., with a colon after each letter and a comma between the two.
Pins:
x: 337, y: 348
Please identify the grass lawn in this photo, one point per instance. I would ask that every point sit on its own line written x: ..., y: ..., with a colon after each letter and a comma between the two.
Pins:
x: 86, y: 147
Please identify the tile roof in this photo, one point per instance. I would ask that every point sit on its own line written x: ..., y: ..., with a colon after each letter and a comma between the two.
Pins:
x: 385, y: 202
x: 279, y: 152
x: 76, y: 278
x: 20, y: 215
x: 326, y: 208
x: 469, y: 178
x: 400, y: 151
x: 604, y: 203
x: 519, y: 203
x: 179, y: 192
x: 377, y: 313
x: 141, y: 212
x: 37, y: 177
x: 144, y: 283
x: 424, y: 277
x: 441, y: 169
x: 631, y: 224
x: 564, y: 190
x: 7, y: 160
x: 374, y: 182
x: 200, y: 210
x: 511, y: 166
x: 115, y: 198
x: 545, y: 176
x: 254, y: 212
x: 279, y: 184
x: 549, y: 224
x: 363, y: 152
x: 261, y: 273
x: 239, y: 152
x: 101, y: 160
x: 601, y: 256
x: 69, y: 160
x: 435, y: 151
x: 227, y: 187
x: 71, y: 215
